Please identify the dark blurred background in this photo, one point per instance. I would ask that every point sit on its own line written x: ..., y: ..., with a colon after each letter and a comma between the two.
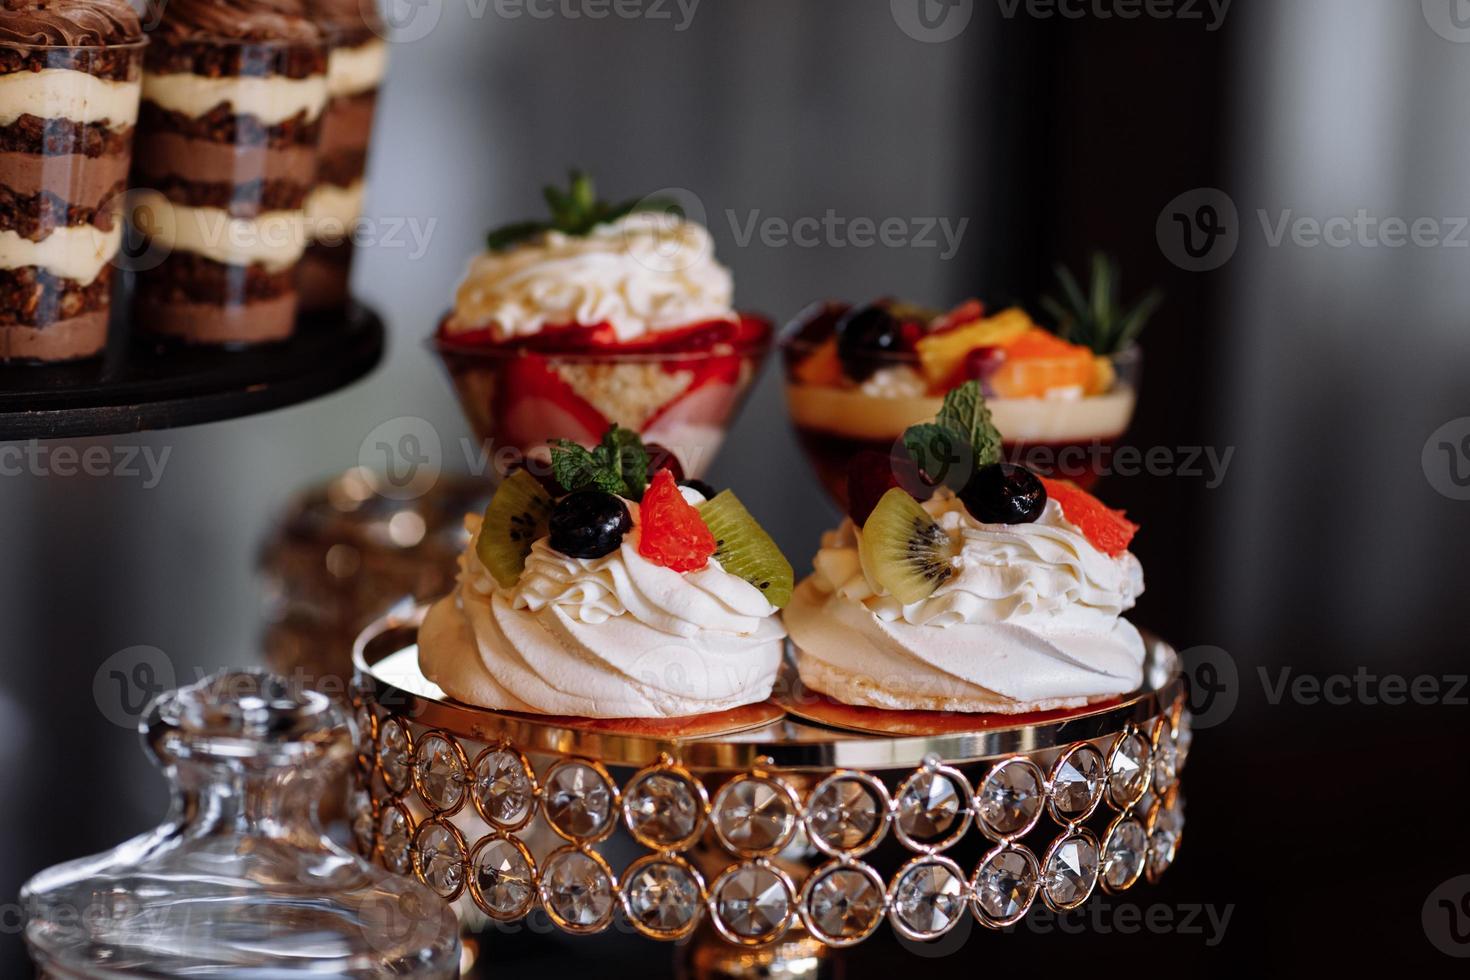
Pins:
x: 1331, y: 370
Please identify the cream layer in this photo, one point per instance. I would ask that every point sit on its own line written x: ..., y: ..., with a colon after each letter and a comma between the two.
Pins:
x: 272, y: 239
x: 62, y: 93
x: 272, y: 100
x: 352, y: 71
x: 76, y: 252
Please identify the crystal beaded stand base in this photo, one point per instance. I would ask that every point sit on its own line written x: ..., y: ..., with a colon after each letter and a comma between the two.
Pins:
x: 776, y: 844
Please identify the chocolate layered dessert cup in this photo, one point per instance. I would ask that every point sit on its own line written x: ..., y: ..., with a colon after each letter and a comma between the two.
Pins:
x: 233, y: 95
x: 70, y: 76
x: 355, y: 65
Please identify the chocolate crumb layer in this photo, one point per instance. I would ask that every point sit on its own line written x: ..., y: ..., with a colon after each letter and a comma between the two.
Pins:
x: 35, y: 216
x: 349, y: 22
x: 342, y: 168
x: 71, y: 23
x: 57, y: 137
x: 244, y: 200
x: 215, y: 60
x: 31, y: 296
x: 110, y: 64
x: 190, y: 278
x: 220, y: 125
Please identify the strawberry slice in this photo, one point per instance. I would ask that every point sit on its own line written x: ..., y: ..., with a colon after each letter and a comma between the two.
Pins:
x: 1108, y: 530
x: 534, y: 405
x: 671, y: 532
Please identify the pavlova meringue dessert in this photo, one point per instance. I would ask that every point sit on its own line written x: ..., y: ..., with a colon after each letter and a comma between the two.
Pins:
x: 610, y: 590
x: 1006, y: 596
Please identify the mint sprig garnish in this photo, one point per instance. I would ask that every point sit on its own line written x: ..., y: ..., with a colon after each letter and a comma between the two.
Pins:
x: 960, y: 440
x: 575, y: 211
x: 617, y: 465
x: 1098, y: 319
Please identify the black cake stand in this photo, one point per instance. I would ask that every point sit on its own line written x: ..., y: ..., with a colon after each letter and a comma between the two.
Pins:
x: 143, y: 383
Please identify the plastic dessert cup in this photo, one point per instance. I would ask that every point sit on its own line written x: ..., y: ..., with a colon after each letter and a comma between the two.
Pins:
x: 1069, y: 437
x: 62, y: 178
x: 227, y: 154
x: 517, y: 398
x: 356, y: 63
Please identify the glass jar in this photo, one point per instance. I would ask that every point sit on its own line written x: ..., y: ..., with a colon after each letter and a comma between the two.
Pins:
x: 239, y: 881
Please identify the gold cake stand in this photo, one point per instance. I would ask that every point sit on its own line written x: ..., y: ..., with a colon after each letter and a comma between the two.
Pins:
x: 771, y: 836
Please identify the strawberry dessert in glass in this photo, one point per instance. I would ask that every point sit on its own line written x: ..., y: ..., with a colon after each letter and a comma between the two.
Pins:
x: 858, y: 376
x: 604, y: 315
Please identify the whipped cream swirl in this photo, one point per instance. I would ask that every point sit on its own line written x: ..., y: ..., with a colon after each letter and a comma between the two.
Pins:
x: 642, y: 273
x: 610, y: 637
x: 1030, y: 619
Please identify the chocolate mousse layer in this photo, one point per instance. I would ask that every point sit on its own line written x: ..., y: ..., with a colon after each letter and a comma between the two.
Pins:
x: 63, y: 174
x: 357, y: 61
x: 231, y: 120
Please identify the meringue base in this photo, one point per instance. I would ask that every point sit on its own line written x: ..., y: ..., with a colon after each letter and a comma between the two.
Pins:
x: 860, y: 690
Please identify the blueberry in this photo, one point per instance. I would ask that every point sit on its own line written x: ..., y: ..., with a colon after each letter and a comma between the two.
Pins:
x: 867, y: 338
x: 1003, y: 493
x: 589, y: 524
x: 705, y: 490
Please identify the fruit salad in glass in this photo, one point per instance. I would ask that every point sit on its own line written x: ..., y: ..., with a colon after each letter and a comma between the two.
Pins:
x: 606, y: 314
x: 858, y: 375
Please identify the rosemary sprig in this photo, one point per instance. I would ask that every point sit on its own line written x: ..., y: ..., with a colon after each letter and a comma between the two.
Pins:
x: 1098, y: 318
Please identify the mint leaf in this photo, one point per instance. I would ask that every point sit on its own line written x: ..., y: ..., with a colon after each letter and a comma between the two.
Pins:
x: 573, y: 466
x: 623, y: 451
x: 576, y: 211
x: 941, y: 454
x: 617, y: 465
x: 966, y: 413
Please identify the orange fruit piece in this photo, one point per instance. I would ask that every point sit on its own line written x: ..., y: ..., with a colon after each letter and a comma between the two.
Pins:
x: 942, y: 354
x: 822, y: 367
x: 1039, y: 361
x: 1109, y: 530
x: 672, y: 533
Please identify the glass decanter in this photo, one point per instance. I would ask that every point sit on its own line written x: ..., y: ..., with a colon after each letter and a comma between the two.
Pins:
x: 240, y: 881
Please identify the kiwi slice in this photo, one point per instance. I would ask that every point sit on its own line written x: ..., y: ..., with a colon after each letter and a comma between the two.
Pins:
x: 516, y: 517
x: 904, y: 550
x: 743, y: 548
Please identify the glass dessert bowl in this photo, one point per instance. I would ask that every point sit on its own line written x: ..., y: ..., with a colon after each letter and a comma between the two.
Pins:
x: 680, y: 391
x: 606, y: 315
x: 858, y: 376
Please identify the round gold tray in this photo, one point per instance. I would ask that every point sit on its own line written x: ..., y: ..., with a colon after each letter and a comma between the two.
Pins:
x: 760, y: 828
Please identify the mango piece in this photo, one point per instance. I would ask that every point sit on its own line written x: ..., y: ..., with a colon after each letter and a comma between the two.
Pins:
x: 822, y: 367
x: 941, y: 355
